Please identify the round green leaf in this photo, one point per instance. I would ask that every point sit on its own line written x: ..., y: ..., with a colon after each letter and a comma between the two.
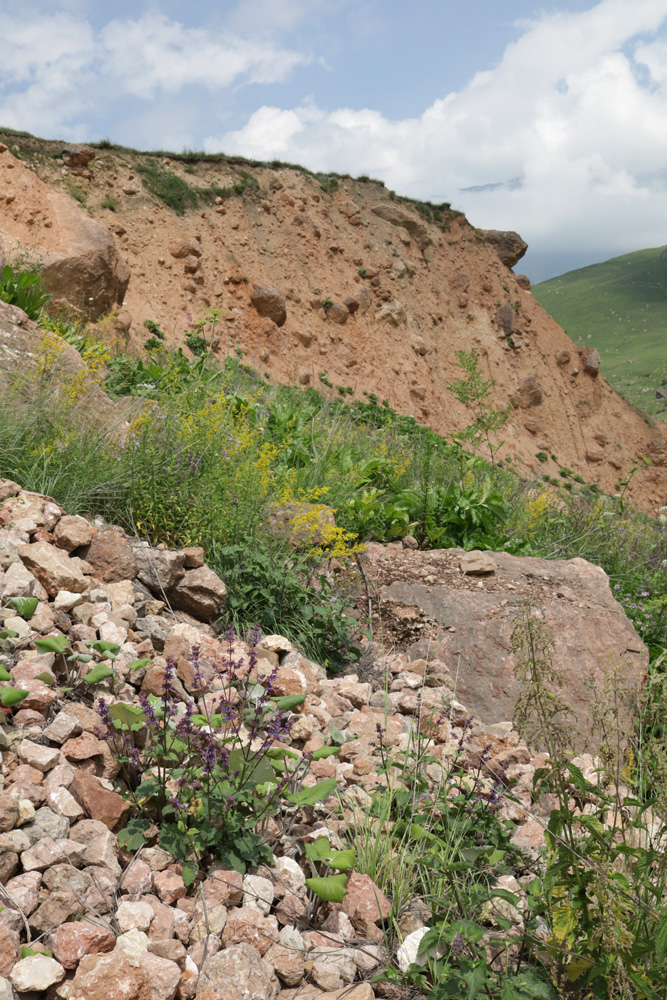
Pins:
x: 330, y: 888
x: 52, y: 644
x: 127, y: 715
x: 24, y: 606
x: 98, y: 673
x: 12, y: 696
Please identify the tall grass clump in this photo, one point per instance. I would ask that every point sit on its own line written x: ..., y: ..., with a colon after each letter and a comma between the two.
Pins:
x: 196, y: 450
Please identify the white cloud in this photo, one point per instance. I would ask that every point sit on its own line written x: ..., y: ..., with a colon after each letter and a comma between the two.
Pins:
x: 55, y: 68
x: 576, y: 108
x: 155, y: 53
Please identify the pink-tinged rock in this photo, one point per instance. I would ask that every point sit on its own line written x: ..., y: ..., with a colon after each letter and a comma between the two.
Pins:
x: 43, y: 511
x: 9, y: 865
x: 62, y: 728
x: 134, y: 916
x: 137, y: 878
x: 110, y: 977
x: 72, y: 532
x: 25, y: 774
x: 339, y: 923
x: 173, y: 950
x: 61, y: 776
x: 87, y: 718
x: 71, y: 941
x: 194, y: 557
x: 246, y: 925
x: 269, y: 303
x: 10, y: 947
x: 82, y: 747
x: 164, y: 919
x: 200, y: 592
x: 49, y: 914
x: 159, y: 569
x: 112, y: 632
x: 156, y: 858
x: 38, y: 756
x: 47, y: 852
x: 187, y: 988
x: 52, y: 567
x: 240, y: 971
x: 288, y: 681
x: 111, y: 556
x: 201, y: 950
x: 163, y: 976
x: 169, y: 886
x: 364, y: 903
x: 358, y: 693
x: 36, y: 973
x: 24, y: 890
x: 120, y: 593
x: 224, y: 887
x: 287, y: 963
x: 39, y: 699
x: 326, y: 976
x: 530, y: 835
x: 9, y: 812
x: 360, y: 991
x: 101, y: 845
x: 290, y: 910
x: 19, y: 582
x: 64, y: 804
x: 365, y: 724
x: 100, y: 804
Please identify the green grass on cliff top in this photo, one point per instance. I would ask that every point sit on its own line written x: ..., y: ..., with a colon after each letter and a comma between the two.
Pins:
x: 620, y: 308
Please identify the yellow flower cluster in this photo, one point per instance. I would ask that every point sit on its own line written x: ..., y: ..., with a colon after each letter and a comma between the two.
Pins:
x: 536, y: 511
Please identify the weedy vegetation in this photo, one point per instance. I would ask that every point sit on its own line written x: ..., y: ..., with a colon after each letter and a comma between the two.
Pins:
x: 277, y: 483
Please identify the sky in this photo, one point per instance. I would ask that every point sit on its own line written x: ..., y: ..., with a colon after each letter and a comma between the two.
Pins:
x: 550, y: 119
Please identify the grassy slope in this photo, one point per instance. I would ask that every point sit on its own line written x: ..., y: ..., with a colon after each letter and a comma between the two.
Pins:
x: 620, y: 308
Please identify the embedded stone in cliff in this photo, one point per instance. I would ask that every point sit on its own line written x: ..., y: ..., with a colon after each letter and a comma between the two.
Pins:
x: 338, y: 313
x: 505, y: 317
x: 563, y: 357
x: 529, y: 393
x: 182, y: 248
x: 77, y: 256
x: 508, y: 245
x: 404, y: 220
x: 270, y: 303
x: 78, y: 156
x: 523, y: 281
x: 393, y: 313
x: 590, y: 360
x: 303, y: 220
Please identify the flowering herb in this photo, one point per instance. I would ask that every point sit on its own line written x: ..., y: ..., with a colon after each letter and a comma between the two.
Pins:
x: 212, y: 771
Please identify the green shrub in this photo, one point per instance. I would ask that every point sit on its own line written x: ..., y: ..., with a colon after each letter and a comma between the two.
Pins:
x: 169, y: 188
x: 23, y: 288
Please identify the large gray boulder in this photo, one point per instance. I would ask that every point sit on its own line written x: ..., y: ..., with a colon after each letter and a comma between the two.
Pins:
x: 432, y: 609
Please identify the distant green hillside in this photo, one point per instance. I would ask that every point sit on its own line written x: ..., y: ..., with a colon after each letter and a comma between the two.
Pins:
x: 620, y: 308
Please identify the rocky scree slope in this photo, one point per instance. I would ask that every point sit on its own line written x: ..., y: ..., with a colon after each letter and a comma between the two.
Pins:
x: 124, y: 924
x: 329, y: 276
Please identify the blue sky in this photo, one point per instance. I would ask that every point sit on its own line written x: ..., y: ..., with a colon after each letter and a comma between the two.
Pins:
x: 546, y: 118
